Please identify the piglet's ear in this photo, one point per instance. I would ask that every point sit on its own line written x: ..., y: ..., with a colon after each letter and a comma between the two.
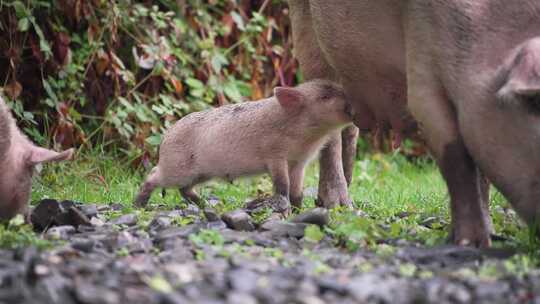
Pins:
x: 38, y: 155
x: 289, y: 98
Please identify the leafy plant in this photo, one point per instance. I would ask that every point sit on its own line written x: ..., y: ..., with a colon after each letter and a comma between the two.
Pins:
x: 118, y: 73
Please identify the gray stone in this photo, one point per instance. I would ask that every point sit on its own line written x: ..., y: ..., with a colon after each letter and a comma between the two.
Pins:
x: 240, y: 298
x: 284, y: 229
x: 177, y: 232
x: 238, y: 220
x: 191, y: 210
x: 159, y: 223
x: 316, y: 216
x: 83, y: 244
x: 211, y: 215
x: 60, y: 232
x: 89, y: 210
x: 126, y: 219
x: 242, y: 280
x: 90, y: 294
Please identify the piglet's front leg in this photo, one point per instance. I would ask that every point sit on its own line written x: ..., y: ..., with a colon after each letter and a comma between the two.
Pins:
x: 279, y: 171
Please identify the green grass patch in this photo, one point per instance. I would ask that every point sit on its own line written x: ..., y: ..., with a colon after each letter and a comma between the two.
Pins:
x: 398, y: 196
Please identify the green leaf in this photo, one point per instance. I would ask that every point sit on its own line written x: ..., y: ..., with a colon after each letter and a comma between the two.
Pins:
x: 218, y: 61
x: 232, y: 91
x: 50, y: 91
x: 313, y: 234
x: 17, y: 221
x: 20, y: 9
x: 23, y: 24
x: 154, y: 140
x: 238, y: 20
x: 194, y: 83
x: 159, y: 284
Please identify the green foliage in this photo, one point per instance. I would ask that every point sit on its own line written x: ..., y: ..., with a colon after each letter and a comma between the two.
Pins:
x: 208, y: 237
x: 313, y: 234
x: 120, y: 72
x: 16, y: 233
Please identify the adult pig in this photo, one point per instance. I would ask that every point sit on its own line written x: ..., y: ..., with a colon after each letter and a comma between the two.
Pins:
x: 278, y: 135
x: 470, y: 71
x: 18, y: 158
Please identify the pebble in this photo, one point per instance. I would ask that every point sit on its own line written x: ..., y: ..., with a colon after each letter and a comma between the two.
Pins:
x: 238, y: 220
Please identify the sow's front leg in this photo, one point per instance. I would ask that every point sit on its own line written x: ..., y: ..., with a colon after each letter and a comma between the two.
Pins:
x: 332, y: 183
x: 432, y: 108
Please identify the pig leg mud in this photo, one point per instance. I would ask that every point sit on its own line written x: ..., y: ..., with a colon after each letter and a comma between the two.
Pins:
x: 429, y: 103
x: 332, y: 183
x: 296, y: 176
x: 349, y: 140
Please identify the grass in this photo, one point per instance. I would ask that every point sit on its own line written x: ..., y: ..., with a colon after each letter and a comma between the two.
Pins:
x: 397, y: 194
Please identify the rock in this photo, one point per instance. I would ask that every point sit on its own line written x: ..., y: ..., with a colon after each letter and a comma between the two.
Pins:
x: 159, y: 223
x: 217, y: 225
x: 126, y: 219
x: 96, y: 222
x: 60, y: 232
x: 43, y: 214
x: 441, y: 290
x: 330, y: 284
x: 90, y: 294
x: 211, y: 215
x: 446, y: 255
x: 50, y: 212
x: 90, y: 210
x: 71, y: 216
x: 184, y: 273
x: 316, y: 216
x: 278, y: 204
x: 242, y: 280
x: 191, y: 210
x: 240, y: 298
x: 83, y: 244
x: 284, y: 229
x: 381, y: 289
x: 238, y: 220
x: 177, y: 232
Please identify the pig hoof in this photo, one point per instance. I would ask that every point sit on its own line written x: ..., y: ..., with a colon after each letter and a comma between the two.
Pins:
x: 480, y: 240
x: 329, y: 204
x: 278, y: 203
x: 140, y: 204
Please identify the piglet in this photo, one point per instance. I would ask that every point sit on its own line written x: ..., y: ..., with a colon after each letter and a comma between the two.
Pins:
x: 18, y: 158
x: 278, y: 135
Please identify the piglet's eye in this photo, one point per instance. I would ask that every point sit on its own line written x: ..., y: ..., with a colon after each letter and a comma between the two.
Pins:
x: 326, y: 97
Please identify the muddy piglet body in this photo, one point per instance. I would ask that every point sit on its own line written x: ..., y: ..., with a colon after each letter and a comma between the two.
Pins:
x: 278, y: 135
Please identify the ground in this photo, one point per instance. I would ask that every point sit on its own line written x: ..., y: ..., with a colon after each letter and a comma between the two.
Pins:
x: 390, y: 249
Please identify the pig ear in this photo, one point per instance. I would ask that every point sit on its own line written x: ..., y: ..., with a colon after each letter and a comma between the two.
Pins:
x: 522, y: 76
x: 289, y: 98
x: 38, y: 155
